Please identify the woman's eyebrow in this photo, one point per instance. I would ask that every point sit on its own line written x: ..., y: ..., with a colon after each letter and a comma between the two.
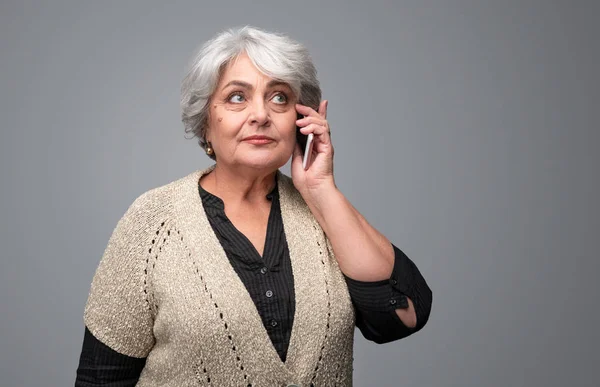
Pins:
x: 272, y: 83
x: 241, y: 84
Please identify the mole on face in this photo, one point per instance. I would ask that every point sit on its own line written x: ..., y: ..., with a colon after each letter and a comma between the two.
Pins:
x: 215, y: 106
x: 220, y: 119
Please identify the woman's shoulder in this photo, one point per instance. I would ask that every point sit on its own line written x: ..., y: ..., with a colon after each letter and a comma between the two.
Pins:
x: 156, y: 205
x: 160, y: 199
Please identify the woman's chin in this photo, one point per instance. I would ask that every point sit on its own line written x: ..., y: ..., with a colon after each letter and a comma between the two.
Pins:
x: 264, y: 160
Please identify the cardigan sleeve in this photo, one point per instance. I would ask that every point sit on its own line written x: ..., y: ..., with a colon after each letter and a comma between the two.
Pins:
x: 376, y: 302
x: 118, y: 311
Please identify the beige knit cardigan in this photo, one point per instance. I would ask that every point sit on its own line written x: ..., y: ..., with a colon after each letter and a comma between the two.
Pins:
x: 165, y: 290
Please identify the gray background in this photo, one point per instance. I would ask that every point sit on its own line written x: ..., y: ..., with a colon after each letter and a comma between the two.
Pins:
x: 465, y: 131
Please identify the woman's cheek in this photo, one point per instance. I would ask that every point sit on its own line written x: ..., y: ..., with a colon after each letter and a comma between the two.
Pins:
x: 235, y: 107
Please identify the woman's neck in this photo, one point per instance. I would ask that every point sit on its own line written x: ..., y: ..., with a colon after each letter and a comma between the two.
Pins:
x: 237, y: 190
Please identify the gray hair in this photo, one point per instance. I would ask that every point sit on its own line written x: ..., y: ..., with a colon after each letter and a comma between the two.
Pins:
x: 275, y: 55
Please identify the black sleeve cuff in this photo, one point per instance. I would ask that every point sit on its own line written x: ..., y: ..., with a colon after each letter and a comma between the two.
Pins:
x: 376, y: 296
x: 101, y: 365
x: 388, y: 295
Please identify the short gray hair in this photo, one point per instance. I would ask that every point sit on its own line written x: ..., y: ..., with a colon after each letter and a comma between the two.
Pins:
x: 274, y: 54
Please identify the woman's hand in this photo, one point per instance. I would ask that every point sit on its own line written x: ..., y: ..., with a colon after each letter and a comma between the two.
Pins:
x: 319, y: 174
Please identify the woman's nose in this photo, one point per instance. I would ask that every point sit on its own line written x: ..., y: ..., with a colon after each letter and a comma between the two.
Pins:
x: 259, y: 113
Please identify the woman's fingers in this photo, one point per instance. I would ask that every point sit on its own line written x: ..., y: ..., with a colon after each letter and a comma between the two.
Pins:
x: 307, y: 111
x: 310, y: 120
x: 323, y: 108
x: 316, y: 129
x: 314, y: 122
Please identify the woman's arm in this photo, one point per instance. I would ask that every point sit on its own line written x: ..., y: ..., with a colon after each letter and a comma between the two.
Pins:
x: 101, y: 365
x: 118, y: 316
x: 366, y: 255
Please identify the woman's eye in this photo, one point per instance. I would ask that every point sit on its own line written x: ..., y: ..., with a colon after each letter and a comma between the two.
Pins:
x: 236, y: 98
x: 280, y: 98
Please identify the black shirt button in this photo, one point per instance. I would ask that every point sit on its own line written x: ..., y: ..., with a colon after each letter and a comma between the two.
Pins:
x: 393, y: 302
x: 263, y: 270
x: 273, y: 323
x: 394, y: 282
x: 269, y: 293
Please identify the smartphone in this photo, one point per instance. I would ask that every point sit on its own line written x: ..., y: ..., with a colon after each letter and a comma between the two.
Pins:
x: 306, y: 144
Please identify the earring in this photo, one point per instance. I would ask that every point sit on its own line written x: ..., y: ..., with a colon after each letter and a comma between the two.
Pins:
x: 209, y: 149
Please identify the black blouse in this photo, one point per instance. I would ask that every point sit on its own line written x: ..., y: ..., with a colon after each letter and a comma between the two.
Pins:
x: 270, y: 283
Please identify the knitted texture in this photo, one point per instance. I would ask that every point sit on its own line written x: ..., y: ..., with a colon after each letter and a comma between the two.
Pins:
x: 165, y: 290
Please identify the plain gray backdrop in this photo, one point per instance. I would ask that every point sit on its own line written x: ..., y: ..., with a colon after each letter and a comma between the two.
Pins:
x: 465, y: 131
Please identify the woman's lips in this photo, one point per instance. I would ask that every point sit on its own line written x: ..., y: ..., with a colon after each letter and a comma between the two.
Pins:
x: 259, y: 141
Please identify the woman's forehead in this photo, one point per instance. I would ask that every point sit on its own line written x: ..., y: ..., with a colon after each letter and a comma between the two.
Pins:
x: 242, y: 71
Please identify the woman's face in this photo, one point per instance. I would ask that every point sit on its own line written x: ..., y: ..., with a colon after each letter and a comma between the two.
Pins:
x: 246, y: 103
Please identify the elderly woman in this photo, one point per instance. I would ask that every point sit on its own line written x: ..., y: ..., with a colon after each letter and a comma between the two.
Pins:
x: 236, y: 274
